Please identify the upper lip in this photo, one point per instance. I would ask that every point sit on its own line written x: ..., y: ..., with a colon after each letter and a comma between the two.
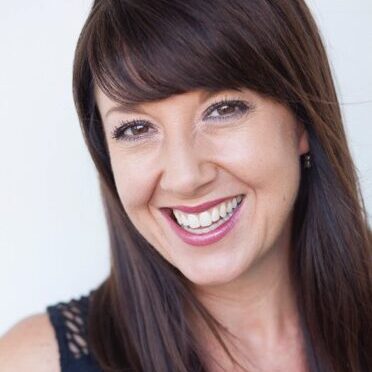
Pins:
x: 201, y: 207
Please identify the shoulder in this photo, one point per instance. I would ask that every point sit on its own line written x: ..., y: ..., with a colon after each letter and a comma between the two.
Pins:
x: 30, y: 345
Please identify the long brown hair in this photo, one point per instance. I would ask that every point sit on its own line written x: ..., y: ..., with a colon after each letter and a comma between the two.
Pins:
x: 144, y: 50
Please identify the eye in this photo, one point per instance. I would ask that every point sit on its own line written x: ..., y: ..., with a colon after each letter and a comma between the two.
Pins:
x: 132, y: 130
x: 226, y: 109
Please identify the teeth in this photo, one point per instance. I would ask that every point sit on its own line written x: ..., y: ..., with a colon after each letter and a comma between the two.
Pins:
x: 209, y: 228
x: 223, y: 210
x: 193, y: 221
x: 207, y: 218
x: 184, y: 220
x: 215, y: 214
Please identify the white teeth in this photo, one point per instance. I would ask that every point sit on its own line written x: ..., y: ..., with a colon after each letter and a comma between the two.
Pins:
x: 209, y: 228
x: 215, y: 214
x: 223, y: 210
x: 184, y: 220
x: 207, y: 218
x: 193, y: 221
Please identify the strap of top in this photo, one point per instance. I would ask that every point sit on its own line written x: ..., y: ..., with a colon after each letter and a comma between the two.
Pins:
x: 69, y: 320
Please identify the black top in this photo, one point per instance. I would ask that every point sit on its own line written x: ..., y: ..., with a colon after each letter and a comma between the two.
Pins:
x: 69, y: 320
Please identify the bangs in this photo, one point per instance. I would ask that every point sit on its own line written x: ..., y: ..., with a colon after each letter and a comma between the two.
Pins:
x: 147, y: 50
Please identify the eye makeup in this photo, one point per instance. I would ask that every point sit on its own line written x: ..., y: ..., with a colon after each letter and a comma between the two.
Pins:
x: 136, y: 126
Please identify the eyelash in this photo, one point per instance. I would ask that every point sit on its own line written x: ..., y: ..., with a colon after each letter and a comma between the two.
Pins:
x: 118, y: 132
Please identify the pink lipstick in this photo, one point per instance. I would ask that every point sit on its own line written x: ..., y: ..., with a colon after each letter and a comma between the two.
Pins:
x: 201, y: 207
x: 206, y: 238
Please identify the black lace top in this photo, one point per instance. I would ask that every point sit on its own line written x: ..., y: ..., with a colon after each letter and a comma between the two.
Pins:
x: 69, y: 320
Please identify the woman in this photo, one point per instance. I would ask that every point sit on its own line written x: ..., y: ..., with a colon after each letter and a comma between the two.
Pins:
x: 239, y: 238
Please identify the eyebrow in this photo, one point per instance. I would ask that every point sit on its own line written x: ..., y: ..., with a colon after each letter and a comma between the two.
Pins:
x: 133, y: 107
x: 125, y: 107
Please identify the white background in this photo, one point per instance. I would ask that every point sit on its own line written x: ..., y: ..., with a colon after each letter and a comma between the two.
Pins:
x: 53, y: 238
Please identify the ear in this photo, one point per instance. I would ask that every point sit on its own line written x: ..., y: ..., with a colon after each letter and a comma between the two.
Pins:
x: 302, y: 139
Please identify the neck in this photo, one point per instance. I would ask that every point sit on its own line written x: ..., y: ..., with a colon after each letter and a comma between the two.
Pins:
x: 258, y: 308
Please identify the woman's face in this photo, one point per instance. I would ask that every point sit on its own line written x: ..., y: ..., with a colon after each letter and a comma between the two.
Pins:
x: 186, y: 153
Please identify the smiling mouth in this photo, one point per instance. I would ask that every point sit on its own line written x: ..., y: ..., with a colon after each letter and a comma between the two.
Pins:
x: 207, y: 220
x: 210, y: 230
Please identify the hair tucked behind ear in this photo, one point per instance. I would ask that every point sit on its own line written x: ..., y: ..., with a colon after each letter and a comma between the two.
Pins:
x: 143, y: 50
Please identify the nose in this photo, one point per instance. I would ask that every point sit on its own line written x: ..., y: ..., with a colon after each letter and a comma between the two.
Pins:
x: 186, y: 168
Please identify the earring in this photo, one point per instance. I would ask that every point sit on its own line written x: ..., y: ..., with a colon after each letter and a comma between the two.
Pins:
x: 307, y: 163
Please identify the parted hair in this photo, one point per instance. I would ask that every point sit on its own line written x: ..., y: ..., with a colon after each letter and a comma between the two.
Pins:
x: 145, y: 50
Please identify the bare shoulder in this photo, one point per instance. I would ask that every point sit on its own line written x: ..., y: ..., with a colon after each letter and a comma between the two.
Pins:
x: 30, y: 345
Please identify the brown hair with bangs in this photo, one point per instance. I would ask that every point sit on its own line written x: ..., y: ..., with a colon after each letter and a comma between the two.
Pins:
x: 144, y: 50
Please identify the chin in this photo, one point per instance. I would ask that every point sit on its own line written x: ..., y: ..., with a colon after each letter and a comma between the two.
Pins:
x: 211, y: 274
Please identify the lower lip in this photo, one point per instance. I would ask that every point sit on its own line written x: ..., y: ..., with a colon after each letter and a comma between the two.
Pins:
x: 209, y: 237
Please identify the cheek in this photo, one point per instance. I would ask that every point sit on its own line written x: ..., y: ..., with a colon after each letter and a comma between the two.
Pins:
x: 261, y: 154
x: 267, y: 165
x: 133, y: 179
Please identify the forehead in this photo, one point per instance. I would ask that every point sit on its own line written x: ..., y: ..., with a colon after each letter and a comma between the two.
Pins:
x: 108, y: 105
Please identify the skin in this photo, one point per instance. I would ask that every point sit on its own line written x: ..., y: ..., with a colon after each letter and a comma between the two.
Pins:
x: 187, y: 159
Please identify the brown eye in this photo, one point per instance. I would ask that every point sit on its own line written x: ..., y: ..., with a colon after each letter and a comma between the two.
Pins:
x: 138, y: 129
x: 226, y: 109
x: 132, y: 130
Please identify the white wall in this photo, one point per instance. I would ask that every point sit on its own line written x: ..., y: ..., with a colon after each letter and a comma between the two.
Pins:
x: 53, y: 239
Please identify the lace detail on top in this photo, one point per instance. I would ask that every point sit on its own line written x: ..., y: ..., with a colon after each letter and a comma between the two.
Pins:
x: 69, y: 320
x: 75, y: 328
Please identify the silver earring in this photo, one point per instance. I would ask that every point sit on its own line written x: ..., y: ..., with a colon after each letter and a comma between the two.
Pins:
x: 307, y: 163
